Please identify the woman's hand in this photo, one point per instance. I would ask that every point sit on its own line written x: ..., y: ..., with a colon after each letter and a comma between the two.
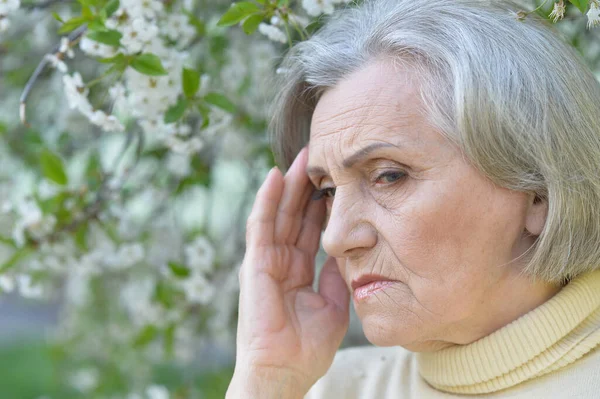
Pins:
x: 287, y: 334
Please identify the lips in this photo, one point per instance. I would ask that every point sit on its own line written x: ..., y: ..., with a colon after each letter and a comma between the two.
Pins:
x: 366, y: 279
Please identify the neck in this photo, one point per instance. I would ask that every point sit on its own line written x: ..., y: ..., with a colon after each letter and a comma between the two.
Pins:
x: 549, y: 337
x: 514, y: 296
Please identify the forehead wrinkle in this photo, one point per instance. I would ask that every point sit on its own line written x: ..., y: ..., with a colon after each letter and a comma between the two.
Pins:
x: 362, y: 111
x: 362, y: 126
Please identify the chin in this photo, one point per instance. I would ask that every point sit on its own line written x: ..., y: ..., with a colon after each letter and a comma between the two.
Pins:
x: 381, y: 331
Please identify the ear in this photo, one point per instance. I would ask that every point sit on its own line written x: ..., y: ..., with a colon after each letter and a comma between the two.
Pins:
x: 536, y: 215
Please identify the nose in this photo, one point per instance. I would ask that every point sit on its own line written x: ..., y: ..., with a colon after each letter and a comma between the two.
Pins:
x: 348, y: 231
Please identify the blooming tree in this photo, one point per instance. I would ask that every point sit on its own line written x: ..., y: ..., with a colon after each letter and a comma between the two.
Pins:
x: 132, y: 140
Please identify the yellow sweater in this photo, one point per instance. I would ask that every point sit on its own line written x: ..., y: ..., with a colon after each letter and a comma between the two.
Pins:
x: 551, y: 352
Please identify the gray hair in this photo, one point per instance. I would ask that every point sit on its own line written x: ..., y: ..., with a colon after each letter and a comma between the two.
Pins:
x: 515, y: 98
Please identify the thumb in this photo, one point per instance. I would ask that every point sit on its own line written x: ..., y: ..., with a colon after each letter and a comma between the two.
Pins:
x: 333, y: 287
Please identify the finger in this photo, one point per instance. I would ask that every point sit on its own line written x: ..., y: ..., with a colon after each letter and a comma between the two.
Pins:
x: 289, y: 213
x: 261, y: 222
x: 333, y: 287
x: 297, y: 228
x: 309, y: 238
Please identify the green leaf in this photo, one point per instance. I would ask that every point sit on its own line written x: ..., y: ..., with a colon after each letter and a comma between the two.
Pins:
x: 53, y: 167
x: 175, y: 112
x: 582, y: 5
x: 145, y: 336
x: 86, y: 3
x: 198, y: 24
x: 179, y: 270
x: 219, y: 100
x: 237, y: 12
x: 109, y: 37
x: 72, y: 24
x: 314, y: 26
x: 169, y: 339
x: 81, y: 235
x: 18, y: 255
x: 119, y: 58
x: 166, y: 295
x: 191, y: 81
x: 94, y: 168
x: 96, y: 25
x: 7, y: 241
x: 57, y: 17
x: 87, y: 13
x: 251, y: 23
x: 205, y: 112
x: 148, y: 64
x: 111, y: 7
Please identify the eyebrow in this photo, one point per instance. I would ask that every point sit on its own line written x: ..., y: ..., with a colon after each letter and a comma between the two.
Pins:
x: 351, y: 160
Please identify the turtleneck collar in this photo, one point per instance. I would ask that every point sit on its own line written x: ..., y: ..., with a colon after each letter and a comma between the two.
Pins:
x: 547, y: 338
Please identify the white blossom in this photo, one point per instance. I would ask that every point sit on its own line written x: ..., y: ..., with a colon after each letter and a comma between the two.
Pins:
x: 129, y: 240
x: 7, y: 206
x: 297, y: 19
x: 149, y: 9
x: 178, y: 164
x: 200, y: 254
x: 27, y: 288
x: 198, y: 289
x: 177, y: 27
x: 187, y: 147
x: 107, y: 122
x: 117, y: 92
x: 558, y: 11
x: 126, y: 256
x: 65, y: 47
x: 4, y: 23
x: 136, y: 297
x: 8, y: 6
x: 157, y: 392
x: 77, y: 288
x: 272, y: 32
x: 593, y: 15
x: 96, y: 49
x: 76, y: 93
x: 56, y: 62
x: 137, y: 34
x: 84, y: 380
x: 317, y: 7
x: 31, y: 220
x: 275, y: 20
x: 47, y: 189
x: 7, y: 284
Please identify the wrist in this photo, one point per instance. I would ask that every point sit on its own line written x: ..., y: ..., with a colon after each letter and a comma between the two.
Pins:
x: 266, y: 385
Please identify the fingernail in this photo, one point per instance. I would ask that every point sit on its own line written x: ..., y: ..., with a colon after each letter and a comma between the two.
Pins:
x: 273, y: 169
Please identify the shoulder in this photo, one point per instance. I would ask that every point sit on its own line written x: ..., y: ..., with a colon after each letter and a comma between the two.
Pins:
x: 363, y: 371
x: 580, y: 379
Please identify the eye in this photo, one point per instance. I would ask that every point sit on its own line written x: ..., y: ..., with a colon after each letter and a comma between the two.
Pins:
x: 325, y: 192
x: 391, y: 176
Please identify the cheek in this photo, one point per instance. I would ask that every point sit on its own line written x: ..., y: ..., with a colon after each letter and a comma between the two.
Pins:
x: 443, y: 248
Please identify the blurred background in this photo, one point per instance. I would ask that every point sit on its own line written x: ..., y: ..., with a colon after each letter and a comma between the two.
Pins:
x: 132, y: 143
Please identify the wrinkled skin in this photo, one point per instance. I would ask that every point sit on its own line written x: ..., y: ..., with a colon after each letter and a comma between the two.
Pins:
x: 448, y: 237
x: 418, y: 213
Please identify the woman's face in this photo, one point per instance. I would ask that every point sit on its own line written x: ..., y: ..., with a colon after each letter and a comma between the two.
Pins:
x: 409, y: 207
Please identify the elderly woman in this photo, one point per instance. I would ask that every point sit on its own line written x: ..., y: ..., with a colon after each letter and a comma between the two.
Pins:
x: 455, y: 151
